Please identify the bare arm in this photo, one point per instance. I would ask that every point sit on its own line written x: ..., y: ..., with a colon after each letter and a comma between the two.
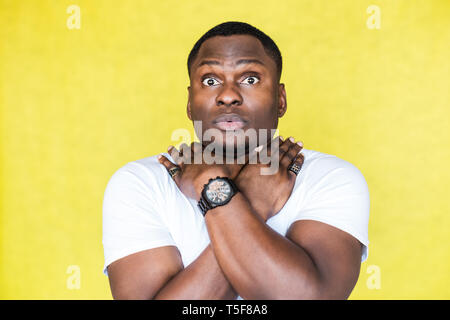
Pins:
x: 158, y: 274
x: 260, y: 263
x: 202, y: 279
x: 316, y: 261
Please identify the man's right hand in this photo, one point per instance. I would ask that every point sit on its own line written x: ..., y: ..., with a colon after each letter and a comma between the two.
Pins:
x: 267, y: 194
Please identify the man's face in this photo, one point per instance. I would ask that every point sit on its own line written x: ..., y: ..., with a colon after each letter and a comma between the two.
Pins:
x: 234, y: 85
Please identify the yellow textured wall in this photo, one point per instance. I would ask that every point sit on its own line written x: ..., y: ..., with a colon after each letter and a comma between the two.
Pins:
x: 77, y: 104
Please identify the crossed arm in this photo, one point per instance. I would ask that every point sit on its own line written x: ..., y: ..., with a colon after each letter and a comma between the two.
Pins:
x: 245, y: 257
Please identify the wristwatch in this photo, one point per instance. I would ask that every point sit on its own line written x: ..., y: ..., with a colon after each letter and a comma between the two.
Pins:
x: 217, y: 192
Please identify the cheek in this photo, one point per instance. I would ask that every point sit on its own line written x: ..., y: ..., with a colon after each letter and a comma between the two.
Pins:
x: 264, y: 111
x: 199, y: 107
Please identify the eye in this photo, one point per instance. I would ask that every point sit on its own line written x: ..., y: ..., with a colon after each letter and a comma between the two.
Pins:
x: 210, y: 82
x: 251, y: 80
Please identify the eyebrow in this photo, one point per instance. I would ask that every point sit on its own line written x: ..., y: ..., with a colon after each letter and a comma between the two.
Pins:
x: 239, y: 62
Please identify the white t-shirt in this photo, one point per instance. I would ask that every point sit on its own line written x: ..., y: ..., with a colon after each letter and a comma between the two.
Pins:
x: 143, y: 207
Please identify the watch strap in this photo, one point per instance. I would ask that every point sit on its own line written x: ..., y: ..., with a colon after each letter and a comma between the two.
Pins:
x: 205, y: 205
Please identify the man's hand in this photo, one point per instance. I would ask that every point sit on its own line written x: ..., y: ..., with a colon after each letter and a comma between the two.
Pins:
x: 192, y: 177
x: 267, y: 194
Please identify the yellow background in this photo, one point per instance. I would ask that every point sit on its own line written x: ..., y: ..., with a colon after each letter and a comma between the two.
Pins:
x: 75, y: 105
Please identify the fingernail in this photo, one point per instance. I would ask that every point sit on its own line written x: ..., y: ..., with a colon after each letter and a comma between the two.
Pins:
x: 169, y: 148
x: 300, y: 143
x: 159, y: 156
x: 281, y: 137
x: 291, y: 140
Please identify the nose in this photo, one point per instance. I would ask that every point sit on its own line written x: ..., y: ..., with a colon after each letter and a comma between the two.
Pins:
x: 229, y: 96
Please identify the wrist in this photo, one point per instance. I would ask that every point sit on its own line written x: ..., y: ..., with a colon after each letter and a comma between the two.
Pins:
x: 258, y: 206
x: 216, y: 170
x: 203, y: 179
x: 216, y: 192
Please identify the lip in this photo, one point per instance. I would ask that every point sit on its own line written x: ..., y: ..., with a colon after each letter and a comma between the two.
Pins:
x: 230, y: 121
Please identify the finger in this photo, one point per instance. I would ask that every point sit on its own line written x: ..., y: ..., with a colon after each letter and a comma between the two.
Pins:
x: 273, y: 147
x: 196, y: 153
x: 174, y: 153
x: 281, y: 151
x: 166, y: 162
x: 300, y: 159
x: 168, y: 165
x: 291, y: 154
x: 270, y: 153
x: 299, y: 162
x: 196, y: 146
x: 284, y: 146
x: 185, y: 154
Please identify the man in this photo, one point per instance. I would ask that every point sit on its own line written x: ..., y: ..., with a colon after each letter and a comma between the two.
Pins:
x: 174, y: 228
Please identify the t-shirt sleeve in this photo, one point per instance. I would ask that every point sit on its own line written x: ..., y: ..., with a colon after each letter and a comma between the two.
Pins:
x: 132, y: 219
x: 337, y: 194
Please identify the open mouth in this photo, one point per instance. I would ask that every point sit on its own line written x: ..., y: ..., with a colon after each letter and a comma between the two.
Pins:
x: 229, y: 122
x: 230, y: 125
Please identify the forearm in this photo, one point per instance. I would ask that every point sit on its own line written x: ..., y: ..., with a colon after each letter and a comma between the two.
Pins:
x: 259, y: 262
x: 201, y: 280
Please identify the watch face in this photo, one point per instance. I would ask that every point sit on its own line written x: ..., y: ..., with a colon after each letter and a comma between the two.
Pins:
x: 218, y: 191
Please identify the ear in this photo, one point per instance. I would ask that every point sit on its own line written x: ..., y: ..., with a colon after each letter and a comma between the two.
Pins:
x: 189, y: 104
x: 282, y: 103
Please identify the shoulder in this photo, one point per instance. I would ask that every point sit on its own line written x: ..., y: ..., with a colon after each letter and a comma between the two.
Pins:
x: 145, y: 173
x: 138, y: 190
x: 335, y: 192
x: 326, y: 169
x: 143, y: 182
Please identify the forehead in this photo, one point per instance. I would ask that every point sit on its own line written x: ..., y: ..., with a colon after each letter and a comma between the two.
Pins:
x: 229, y: 49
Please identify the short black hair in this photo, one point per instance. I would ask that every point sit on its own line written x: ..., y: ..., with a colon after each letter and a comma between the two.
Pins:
x: 239, y: 28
